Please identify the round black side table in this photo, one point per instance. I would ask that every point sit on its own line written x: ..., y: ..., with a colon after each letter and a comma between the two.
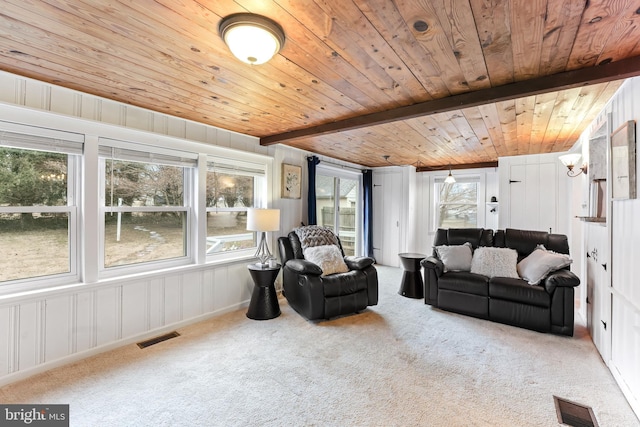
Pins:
x: 412, y: 285
x: 264, y: 300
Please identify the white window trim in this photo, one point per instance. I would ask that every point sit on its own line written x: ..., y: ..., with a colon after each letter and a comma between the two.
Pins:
x: 187, y: 207
x: 435, y: 196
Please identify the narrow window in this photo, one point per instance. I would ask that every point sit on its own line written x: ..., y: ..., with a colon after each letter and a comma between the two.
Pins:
x: 232, y: 187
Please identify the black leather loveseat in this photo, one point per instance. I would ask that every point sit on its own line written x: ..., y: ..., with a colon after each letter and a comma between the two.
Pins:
x: 546, y: 307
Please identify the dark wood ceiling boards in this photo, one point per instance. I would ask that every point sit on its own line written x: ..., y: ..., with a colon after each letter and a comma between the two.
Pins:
x: 342, y: 60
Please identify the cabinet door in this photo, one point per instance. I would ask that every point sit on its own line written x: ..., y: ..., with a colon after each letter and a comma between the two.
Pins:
x: 388, y: 202
x: 598, y: 291
x: 533, y: 196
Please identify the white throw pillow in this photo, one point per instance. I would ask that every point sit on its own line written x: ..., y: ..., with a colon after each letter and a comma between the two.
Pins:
x: 541, y: 262
x: 327, y: 257
x: 455, y: 258
x: 495, y: 262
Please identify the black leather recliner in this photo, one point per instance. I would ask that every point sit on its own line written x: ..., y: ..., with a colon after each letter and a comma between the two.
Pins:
x: 315, y: 296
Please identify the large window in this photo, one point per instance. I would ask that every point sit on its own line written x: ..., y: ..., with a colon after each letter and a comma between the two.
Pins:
x: 232, y: 187
x: 146, y: 204
x: 457, y: 203
x: 38, y: 197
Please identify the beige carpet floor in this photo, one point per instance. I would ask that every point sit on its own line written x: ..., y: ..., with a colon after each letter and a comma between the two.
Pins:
x: 400, y: 363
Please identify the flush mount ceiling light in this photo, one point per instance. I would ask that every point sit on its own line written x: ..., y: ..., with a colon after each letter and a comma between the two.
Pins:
x: 570, y: 161
x: 252, y: 38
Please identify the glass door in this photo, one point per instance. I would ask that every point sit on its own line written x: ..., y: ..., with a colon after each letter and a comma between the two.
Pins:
x: 338, y: 207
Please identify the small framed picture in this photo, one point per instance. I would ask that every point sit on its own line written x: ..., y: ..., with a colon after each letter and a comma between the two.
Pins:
x: 623, y: 162
x: 291, y: 181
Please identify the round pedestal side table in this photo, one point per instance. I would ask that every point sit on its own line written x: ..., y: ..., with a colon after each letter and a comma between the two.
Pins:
x: 264, y: 300
x: 412, y: 285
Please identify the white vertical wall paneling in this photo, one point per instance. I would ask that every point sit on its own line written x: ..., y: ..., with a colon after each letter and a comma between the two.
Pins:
x: 58, y: 329
x: 6, y: 338
x: 625, y: 235
x: 29, y: 330
x: 135, y: 307
x: 173, y: 299
x: 84, y: 323
x: 155, y: 295
x: 107, y: 315
x: 192, y: 293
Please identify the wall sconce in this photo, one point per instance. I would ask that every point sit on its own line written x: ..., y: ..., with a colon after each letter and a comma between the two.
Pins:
x: 252, y: 38
x: 570, y: 161
x: 449, y: 179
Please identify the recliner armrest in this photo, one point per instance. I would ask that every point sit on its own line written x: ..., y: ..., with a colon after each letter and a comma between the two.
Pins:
x: 560, y: 278
x: 358, y: 263
x: 433, y: 263
x: 302, y: 266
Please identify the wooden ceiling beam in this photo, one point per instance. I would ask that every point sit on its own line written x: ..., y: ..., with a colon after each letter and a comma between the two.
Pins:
x: 460, y: 166
x: 617, y: 70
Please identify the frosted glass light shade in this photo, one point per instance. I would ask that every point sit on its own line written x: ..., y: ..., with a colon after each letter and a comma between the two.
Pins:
x: 450, y: 179
x: 263, y: 219
x: 570, y: 160
x: 253, y: 39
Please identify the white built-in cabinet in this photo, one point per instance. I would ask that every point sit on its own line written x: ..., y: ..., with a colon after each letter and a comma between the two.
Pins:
x: 598, y: 295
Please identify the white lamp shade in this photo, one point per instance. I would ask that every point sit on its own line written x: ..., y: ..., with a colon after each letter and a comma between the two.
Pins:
x: 263, y: 219
x: 570, y: 160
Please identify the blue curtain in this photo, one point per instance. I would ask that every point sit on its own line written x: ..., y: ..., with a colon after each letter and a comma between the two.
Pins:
x: 367, y: 210
x: 312, y: 162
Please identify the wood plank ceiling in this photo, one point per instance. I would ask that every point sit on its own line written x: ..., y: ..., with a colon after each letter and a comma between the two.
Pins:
x: 342, y: 60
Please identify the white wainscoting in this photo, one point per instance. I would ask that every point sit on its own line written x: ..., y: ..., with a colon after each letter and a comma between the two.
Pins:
x: 55, y: 327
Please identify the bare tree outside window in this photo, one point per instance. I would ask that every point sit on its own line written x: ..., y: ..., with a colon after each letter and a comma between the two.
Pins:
x: 458, y: 205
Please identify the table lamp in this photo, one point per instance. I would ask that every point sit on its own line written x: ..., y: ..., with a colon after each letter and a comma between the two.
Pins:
x: 263, y: 220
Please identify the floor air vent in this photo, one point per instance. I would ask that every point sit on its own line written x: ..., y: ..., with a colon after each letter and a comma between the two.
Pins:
x: 156, y: 340
x: 574, y: 414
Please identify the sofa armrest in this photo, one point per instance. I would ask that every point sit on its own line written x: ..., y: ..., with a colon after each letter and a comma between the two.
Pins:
x: 560, y: 278
x: 302, y: 266
x: 358, y: 263
x: 433, y: 263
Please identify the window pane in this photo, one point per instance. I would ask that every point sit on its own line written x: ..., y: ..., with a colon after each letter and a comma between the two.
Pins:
x: 227, y: 231
x: 144, y: 236
x: 143, y: 184
x: 458, y: 216
x: 33, y: 245
x: 325, y: 201
x: 229, y: 190
x: 30, y: 178
x: 459, y: 193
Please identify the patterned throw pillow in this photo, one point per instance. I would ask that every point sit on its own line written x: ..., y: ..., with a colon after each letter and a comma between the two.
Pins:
x: 315, y: 235
x: 328, y: 258
x: 495, y: 262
